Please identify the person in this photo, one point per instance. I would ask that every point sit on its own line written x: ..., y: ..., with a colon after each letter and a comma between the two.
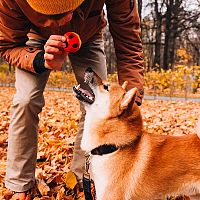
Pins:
x: 31, y: 39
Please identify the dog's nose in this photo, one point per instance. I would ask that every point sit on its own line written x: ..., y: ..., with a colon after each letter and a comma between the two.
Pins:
x: 89, y: 70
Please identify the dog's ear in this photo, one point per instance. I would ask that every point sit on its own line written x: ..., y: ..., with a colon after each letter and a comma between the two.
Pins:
x: 128, y: 97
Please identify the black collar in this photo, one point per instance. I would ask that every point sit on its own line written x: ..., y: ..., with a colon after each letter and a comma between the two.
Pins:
x: 104, y: 149
x: 110, y: 148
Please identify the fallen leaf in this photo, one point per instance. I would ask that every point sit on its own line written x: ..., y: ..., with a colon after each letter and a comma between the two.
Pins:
x: 70, y: 180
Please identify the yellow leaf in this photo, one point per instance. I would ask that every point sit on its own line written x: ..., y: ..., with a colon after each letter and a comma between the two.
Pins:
x: 70, y: 180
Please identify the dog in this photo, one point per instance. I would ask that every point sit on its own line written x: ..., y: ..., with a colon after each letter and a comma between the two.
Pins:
x: 128, y: 163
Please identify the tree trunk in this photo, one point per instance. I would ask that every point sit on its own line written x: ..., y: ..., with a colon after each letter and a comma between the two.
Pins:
x: 158, y: 26
x: 168, y: 30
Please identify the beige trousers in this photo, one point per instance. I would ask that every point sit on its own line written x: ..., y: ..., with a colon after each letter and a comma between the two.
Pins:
x: 28, y: 103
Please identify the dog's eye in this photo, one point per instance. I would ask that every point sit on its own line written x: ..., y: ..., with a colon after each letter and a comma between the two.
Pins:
x: 106, y: 87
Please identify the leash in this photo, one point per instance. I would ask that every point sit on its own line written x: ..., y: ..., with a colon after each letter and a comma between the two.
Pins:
x: 87, y: 179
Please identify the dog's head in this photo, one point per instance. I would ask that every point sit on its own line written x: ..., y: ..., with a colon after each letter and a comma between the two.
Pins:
x: 110, y: 98
x: 112, y: 117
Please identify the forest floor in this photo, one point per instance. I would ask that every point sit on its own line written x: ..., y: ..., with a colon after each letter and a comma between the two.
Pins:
x: 57, y: 131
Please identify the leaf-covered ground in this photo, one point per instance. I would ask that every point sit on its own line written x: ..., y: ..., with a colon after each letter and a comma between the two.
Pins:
x: 58, y: 126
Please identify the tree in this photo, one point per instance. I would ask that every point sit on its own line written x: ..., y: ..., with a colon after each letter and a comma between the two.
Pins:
x: 158, y: 20
x: 170, y: 21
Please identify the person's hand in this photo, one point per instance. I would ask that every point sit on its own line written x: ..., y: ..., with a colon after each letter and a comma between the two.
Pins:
x: 54, y: 52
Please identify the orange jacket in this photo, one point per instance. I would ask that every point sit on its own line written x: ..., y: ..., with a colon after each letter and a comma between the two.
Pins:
x: 18, y: 21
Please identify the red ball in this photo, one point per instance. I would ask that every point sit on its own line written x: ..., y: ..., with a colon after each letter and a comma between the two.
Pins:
x: 73, y: 42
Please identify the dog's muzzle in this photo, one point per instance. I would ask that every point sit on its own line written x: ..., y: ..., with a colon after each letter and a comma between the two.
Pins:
x: 86, y: 95
x: 83, y: 95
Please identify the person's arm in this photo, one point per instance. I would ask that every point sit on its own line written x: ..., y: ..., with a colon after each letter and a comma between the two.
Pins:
x: 124, y: 25
x: 14, y: 27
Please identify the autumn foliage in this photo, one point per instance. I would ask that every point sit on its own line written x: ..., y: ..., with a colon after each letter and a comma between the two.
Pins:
x: 178, y: 82
x: 182, y: 80
x: 58, y: 127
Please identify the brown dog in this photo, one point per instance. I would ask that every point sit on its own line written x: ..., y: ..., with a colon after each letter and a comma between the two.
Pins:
x: 127, y: 163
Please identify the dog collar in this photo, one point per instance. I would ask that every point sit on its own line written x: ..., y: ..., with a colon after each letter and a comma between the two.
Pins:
x: 104, y: 149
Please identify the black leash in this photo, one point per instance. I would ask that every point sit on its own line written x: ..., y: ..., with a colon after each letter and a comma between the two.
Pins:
x: 87, y: 179
x: 87, y: 188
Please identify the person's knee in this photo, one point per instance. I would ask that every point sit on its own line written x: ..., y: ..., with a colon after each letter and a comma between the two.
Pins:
x: 32, y: 103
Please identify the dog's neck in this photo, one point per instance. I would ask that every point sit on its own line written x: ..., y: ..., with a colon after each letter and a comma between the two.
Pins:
x: 112, y: 131
x: 118, y: 131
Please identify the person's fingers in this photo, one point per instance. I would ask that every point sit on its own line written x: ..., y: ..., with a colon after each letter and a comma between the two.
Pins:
x: 56, y: 41
x: 48, y: 56
x: 53, y: 50
x: 58, y: 38
x: 54, y: 53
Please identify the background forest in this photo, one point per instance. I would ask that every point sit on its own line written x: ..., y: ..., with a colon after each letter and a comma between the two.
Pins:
x: 170, y: 34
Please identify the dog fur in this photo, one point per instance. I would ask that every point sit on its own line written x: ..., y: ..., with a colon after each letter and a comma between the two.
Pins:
x: 146, y: 166
x: 198, y: 128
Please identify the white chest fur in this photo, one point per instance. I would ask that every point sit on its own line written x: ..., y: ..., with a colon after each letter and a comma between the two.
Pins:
x: 100, y: 174
x: 99, y: 110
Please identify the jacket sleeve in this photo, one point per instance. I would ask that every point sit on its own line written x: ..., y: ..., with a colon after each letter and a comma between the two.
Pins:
x: 14, y: 27
x: 124, y: 25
